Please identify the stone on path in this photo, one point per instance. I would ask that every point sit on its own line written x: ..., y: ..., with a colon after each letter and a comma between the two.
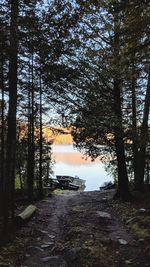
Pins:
x: 54, y: 261
x: 51, y: 236
x: 103, y: 214
x: 142, y: 210
x: 47, y: 245
x: 44, y: 232
x: 122, y: 242
x: 131, y: 220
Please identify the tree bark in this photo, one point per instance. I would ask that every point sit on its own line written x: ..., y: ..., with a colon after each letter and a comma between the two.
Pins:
x: 31, y: 145
x: 41, y: 145
x: 2, y: 129
x: 123, y: 189
x: 25, y: 215
x: 11, y: 134
x: 139, y: 183
x: 20, y: 178
x: 134, y: 123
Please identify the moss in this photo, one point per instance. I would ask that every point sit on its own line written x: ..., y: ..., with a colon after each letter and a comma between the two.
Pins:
x: 139, y: 231
x: 60, y: 191
x: 17, y: 182
x: 93, y: 251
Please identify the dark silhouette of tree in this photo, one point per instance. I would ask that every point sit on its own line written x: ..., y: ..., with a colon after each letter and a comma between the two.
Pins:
x: 2, y: 121
x: 40, y: 143
x: 11, y: 132
x: 123, y: 189
x: 109, y: 50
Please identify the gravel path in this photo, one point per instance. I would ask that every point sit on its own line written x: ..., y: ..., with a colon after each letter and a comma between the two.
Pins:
x: 80, y: 229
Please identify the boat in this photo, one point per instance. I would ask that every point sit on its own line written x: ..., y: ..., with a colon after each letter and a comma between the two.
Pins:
x: 65, y: 178
x: 108, y: 186
x: 70, y: 182
x: 79, y: 182
x: 73, y: 187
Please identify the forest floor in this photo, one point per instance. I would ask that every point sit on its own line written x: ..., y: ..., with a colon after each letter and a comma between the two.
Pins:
x: 82, y: 229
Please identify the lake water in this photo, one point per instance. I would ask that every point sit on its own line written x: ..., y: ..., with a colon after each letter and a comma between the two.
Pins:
x: 71, y: 162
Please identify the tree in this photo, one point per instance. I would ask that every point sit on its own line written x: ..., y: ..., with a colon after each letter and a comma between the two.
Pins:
x: 109, y: 51
x: 2, y: 121
x: 123, y: 189
x: 97, y: 47
x: 11, y: 134
x: 135, y: 31
x: 40, y: 144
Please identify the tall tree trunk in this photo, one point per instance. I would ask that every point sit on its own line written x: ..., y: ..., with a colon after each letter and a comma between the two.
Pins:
x: 29, y: 138
x: 41, y: 145
x: 11, y: 134
x: 123, y: 189
x: 139, y: 184
x: 31, y: 148
x: 2, y: 129
x: 134, y: 123
x: 20, y: 178
x: 32, y: 133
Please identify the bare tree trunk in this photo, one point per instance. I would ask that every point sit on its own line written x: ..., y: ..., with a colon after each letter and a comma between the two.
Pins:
x: 41, y: 145
x: 29, y: 139
x: 134, y: 124
x: 147, y: 173
x: 139, y: 183
x: 20, y: 178
x: 31, y: 147
x: 123, y: 189
x: 2, y: 131
x: 11, y: 135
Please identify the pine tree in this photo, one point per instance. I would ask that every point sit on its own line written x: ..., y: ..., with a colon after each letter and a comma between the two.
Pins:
x: 11, y: 135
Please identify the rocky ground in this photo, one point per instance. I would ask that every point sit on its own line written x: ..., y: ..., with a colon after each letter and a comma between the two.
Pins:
x: 82, y: 229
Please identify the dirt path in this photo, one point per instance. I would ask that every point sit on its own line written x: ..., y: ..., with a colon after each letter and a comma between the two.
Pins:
x: 78, y: 229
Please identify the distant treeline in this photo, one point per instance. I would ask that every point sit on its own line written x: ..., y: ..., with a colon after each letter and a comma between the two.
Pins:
x: 50, y: 134
x: 63, y: 139
x: 58, y: 135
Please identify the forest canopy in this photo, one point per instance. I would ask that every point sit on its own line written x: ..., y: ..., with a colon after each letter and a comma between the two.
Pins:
x: 88, y: 62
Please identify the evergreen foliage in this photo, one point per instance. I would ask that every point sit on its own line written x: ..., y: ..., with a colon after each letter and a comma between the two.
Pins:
x: 86, y: 60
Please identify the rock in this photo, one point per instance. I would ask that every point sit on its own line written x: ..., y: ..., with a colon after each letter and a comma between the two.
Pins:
x: 103, y: 214
x: 122, y: 242
x: 51, y: 236
x: 128, y: 262
x: 55, y: 261
x: 47, y: 245
x: 44, y: 232
x: 142, y: 210
x: 134, y: 219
